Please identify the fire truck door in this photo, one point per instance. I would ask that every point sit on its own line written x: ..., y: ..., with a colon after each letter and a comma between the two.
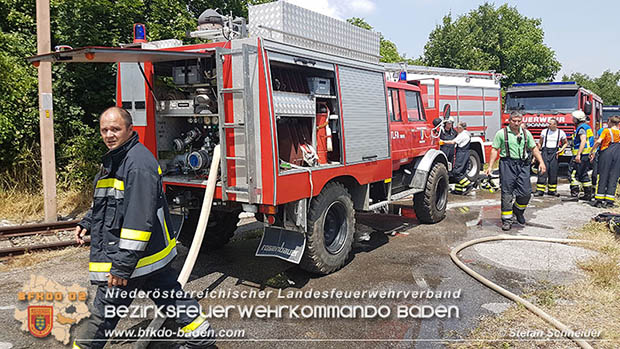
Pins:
x: 419, y: 131
x: 398, y: 129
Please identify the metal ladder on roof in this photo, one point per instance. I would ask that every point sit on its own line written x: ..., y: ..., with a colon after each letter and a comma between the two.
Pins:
x: 241, y: 125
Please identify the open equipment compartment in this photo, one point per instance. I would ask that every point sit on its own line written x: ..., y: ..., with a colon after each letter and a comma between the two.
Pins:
x: 186, y: 117
x: 307, y: 112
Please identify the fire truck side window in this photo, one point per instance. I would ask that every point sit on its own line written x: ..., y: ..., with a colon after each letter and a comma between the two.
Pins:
x: 414, y: 112
x: 394, y: 106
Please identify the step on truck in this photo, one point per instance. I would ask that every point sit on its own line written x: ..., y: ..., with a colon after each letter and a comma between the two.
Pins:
x: 303, y: 115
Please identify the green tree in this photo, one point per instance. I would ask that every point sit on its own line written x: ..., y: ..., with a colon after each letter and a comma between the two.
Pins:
x: 387, y: 49
x: 81, y: 91
x: 606, y: 85
x: 490, y: 38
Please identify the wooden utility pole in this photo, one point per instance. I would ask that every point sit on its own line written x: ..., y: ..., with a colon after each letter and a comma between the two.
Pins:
x: 46, y: 115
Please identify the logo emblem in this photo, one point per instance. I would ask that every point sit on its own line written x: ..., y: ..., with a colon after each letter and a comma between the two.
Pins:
x: 40, y: 320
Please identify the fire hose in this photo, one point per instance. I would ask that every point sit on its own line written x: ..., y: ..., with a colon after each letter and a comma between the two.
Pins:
x: 531, y: 307
x: 207, y: 202
x: 194, y: 249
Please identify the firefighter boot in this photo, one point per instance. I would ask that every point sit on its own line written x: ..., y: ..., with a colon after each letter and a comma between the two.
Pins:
x: 520, y: 216
x: 587, y: 193
x: 574, y: 191
x: 519, y: 207
x: 506, y: 224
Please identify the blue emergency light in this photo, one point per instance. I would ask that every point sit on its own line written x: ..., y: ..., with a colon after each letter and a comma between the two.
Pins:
x: 139, y: 33
x: 402, y: 76
x: 545, y: 83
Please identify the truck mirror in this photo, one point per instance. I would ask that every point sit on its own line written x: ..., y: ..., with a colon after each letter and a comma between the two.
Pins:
x: 587, y: 108
x: 446, y: 111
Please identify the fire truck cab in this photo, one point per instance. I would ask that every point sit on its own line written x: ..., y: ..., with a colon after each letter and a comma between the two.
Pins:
x: 608, y: 111
x: 309, y: 130
x: 539, y: 102
x: 474, y: 97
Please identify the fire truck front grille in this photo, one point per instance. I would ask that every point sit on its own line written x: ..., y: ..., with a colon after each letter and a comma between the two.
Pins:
x: 536, y: 131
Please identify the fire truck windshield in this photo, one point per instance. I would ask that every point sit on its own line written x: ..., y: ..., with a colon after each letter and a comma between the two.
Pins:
x: 554, y: 102
x: 608, y: 113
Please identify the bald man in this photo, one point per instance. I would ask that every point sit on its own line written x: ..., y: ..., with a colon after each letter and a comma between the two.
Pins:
x: 131, y: 245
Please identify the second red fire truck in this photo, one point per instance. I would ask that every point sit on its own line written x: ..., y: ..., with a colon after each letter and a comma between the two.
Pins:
x: 539, y: 102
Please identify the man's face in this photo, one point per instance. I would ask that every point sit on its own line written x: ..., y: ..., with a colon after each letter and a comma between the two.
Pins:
x: 114, y: 130
x: 448, y: 126
x: 553, y: 125
x: 459, y: 129
x: 515, y: 123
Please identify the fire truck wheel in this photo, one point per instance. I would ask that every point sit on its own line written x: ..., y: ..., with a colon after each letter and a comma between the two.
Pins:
x: 331, y: 226
x: 220, y: 229
x: 473, y: 166
x: 430, y: 205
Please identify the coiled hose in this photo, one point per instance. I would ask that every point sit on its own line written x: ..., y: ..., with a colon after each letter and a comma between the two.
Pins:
x: 531, y: 307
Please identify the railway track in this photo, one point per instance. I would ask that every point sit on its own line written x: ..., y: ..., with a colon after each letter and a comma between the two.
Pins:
x: 30, y: 237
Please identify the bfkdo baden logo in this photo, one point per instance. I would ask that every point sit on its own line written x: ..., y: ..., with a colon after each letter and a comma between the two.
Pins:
x: 40, y: 320
x: 46, y: 307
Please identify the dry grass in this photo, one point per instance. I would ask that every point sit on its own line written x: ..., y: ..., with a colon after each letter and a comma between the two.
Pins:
x: 591, y: 303
x: 20, y: 207
x: 33, y: 258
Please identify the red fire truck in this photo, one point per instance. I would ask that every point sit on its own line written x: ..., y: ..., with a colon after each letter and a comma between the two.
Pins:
x: 538, y: 102
x: 608, y: 111
x: 474, y: 97
x: 305, y: 120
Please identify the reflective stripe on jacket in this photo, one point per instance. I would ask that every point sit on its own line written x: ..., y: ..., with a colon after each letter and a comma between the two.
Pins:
x: 129, y: 216
x: 589, y: 139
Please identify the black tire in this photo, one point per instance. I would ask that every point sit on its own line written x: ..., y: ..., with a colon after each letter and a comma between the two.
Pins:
x: 331, y: 226
x: 220, y: 229
x: 474, y: 166
x: 430, y: 205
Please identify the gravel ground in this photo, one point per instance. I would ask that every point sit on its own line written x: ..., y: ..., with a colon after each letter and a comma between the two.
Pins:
x: 409, y: 257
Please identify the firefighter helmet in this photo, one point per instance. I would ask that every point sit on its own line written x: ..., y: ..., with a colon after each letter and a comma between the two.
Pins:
x: 579, y: 115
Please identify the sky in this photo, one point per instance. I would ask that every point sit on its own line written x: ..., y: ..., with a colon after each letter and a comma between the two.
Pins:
x: 585, y: 35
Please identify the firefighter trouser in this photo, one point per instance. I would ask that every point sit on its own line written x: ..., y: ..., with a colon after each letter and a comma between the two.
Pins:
x: 549, y: 180
x: 514, y: 177
x: 609, y: 172
x: 459, y: 171
x: 448, y: 149
x: 579, y: 177
x: 595, y: 168
x: 194, y: 327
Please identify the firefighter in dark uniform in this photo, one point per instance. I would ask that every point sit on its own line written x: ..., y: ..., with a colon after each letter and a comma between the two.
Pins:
x: 583, y: 141
x: 511, y: 144
x: 609, y: 163
x: 552, y: 143
x: 594, y: 161
x: 461, y: 159
x: 131, y: 245
x: 448, y: 133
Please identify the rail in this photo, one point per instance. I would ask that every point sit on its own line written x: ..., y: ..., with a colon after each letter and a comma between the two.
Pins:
x: 24, y: 238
